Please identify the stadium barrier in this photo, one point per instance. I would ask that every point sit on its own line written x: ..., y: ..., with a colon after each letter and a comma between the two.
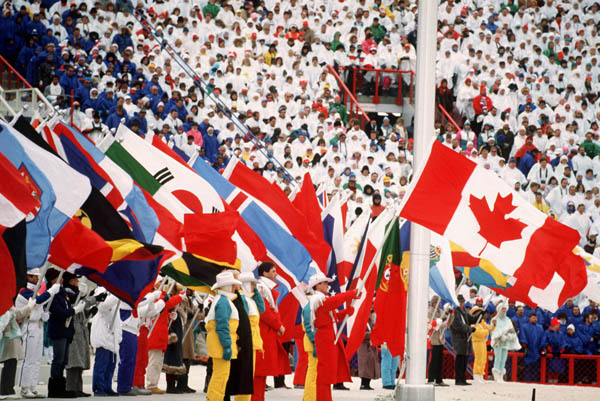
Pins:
x: 380, y: 82
x: 568, y: 369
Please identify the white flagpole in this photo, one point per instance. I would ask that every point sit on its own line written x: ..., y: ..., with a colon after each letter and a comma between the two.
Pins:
x: 415, y: 387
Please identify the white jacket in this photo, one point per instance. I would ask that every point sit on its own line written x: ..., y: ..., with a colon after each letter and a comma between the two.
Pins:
x: 105, y: 333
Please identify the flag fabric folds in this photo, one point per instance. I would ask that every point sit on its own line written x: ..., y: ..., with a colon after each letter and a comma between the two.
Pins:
x: 52, y: 182
x: 441, y: 270
x: 471, y: 206
x: 390, y: 299
x: 17, y: 202
x: 260, y: 189
x: 282, y: 248
x: 373, y: 241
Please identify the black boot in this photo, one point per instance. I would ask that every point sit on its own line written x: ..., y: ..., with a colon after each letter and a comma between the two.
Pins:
x: 52, y: 388
x: 365, y: 384
x: 182, y: 384
x: 62, y: 392
x: 172, y: 387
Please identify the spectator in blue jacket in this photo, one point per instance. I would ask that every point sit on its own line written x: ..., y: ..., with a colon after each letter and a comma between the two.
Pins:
x: 531, y: 337
x: 572, y: 341
x: 527, y: 161
x: 140, y: 117
x: 211, y: 144
x: 106, y: 102
x: 587, y: 334
x: 36, y: 26
x: 69, y: 80
x: 123, y: 39
x: 116, y: 118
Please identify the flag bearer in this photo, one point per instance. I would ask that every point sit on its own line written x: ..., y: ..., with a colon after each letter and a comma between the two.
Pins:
x: 310, y: 382
x: 221, y: 339
x: 332, y: 366
x: 33, y: 333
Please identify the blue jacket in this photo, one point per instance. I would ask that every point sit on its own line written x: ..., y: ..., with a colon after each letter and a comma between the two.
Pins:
x: 122, y: 41
x: 555, y: 340
x: 114, y: 120
x: 211, y: 146
x: 526, y: 162
x: 40, y: 299
x: 531, y: 337
x: 573, y: 344
x: 60, y: 310
x: 142, y: 121
x: 586, y: 333
x: 69, y: 83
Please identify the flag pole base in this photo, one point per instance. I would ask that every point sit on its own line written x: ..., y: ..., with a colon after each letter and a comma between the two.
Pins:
x: 415, y: 392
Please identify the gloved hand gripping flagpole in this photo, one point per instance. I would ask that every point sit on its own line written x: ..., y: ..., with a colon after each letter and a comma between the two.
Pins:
x: 168, y: 291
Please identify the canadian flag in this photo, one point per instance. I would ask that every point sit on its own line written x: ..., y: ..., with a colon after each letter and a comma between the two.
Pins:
x: 473, y: 207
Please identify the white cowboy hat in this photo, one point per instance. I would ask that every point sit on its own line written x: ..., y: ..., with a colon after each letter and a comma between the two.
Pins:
x: 225, y: 278
x: 318, y: 278
x: 247, y: 278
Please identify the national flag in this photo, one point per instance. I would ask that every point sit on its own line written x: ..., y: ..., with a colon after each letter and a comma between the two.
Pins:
x: 170, y: 229
x: 59, y: 189
x: 333, y: 229
x: 210, y: 234
x: 97, y: 236
x: 259, y: 188
x: 473, y: 207
x: 353, y: 238
x: 292, y: 259
x: 173, y: 177
x: 374, y: 239
x: 321, y: 192
x: 16, y: 203
x: 114, y: 183
x: 307, y: 203
x: 390, y: 300
x: 479, y: 271
x: 441, y: 270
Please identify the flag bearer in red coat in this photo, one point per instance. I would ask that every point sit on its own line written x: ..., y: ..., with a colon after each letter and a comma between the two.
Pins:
x: 273, y: 360
x: 332, y: 366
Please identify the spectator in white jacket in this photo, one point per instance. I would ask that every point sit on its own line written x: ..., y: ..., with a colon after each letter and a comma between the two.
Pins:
x: 105, y: 339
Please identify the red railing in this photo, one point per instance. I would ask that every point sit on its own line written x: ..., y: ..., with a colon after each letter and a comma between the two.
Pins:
x: 354, y: 109
x: 568, y: 369
x: 363, y: 84
x: 10, y: 78
x: 442, y: 114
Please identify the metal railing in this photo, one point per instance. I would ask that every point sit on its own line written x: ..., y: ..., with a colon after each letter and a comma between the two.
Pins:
x: 567, y: 369
x: 442, y: 116
x: 379, y: 82
x: 354, y: 109
x: 18, y: 96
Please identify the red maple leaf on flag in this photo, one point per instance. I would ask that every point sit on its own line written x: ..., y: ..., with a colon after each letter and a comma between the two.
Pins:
x: 493, y: 225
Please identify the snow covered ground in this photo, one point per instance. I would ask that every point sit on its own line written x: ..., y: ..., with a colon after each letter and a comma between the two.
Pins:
x: 477, y: 392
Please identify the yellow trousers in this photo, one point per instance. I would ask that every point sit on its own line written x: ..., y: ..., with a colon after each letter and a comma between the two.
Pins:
x: 218, y: 380
x: 310, y: 383
x: 247, y: 397
x: 480, y: 350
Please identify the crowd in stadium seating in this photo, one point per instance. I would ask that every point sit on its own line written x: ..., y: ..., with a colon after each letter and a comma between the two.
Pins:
x: 521, y: 78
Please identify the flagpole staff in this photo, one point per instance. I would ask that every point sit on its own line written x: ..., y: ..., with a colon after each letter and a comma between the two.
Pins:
x: 192, y: 324
x: 60, y: 275
x: 415, y: 387
x: 117, y: 307
x: 361, y: 284
x: 42, y: 275
x: 155, y: 321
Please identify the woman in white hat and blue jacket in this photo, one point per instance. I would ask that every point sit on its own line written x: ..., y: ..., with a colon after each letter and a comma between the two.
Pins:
x: 221, y: 338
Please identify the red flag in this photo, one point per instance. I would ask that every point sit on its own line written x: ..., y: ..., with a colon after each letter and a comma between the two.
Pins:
x: 16, y: 202
x: 210, y: 234
x: 307, y: 203
x: 390, y: 300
